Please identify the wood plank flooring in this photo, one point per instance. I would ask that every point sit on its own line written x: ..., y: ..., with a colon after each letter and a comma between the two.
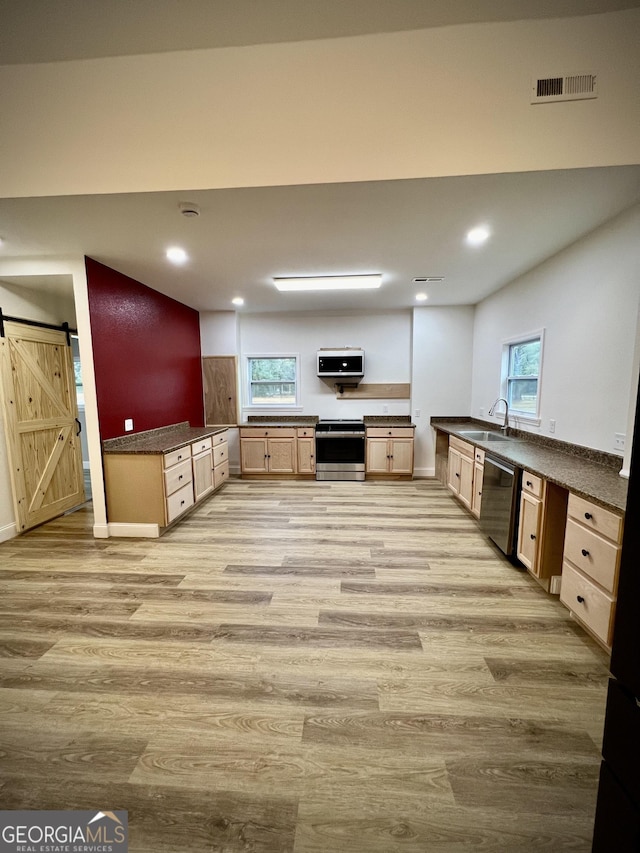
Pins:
x: 299, y: 667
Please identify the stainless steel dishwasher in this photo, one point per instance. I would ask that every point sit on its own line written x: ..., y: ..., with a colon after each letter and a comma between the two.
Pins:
x: 499, y: 507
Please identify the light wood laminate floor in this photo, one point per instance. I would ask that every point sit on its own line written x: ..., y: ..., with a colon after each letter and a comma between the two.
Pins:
x: 299, y: 667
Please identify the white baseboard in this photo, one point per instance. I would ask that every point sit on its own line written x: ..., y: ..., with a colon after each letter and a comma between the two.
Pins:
x: 9, y: 531
x: 423, y: 473
x: 138, y: 531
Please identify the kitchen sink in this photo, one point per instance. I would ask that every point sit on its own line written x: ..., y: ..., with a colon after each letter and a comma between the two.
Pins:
x: 483, y: 435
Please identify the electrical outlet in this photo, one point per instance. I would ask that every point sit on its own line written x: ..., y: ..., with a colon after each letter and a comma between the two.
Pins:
x: 417, y: 413
x: 481, y: 412
x: 552, y: 425
x: 618, y: 440
x: 128, y: 424
x: 385, y: 410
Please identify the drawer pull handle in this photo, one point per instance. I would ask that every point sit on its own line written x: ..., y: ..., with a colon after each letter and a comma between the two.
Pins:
x: 580, y: 599
x: 585, y: 553
x: 181, y: 476
x: 533, y: 535
x: 588, y: 516
x: 530, y: 484
x: 181, y: 503
x: 457, y: 475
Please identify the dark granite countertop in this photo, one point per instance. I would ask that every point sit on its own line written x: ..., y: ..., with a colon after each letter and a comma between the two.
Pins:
x: 591, y: 474
x: 160, y: 440
x: 388, y: 420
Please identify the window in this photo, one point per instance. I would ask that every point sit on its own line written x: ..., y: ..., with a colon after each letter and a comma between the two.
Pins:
x: 521, y: 363
x: 272, y: 380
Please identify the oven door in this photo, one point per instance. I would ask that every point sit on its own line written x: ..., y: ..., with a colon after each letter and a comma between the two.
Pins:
x: 339, y: 456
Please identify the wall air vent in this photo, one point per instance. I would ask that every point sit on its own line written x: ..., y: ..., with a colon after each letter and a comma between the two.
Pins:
x: 564, y: 87
x: 426, y: 279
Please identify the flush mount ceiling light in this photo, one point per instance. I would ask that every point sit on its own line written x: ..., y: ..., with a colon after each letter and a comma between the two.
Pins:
x: 237, y: 300
x: 329, y: 282
x: 421, y: 297
x: 176, y: 255
x: 477, y: 236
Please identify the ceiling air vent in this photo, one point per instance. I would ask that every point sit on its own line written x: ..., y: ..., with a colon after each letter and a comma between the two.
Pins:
x: 565, y: 87
x: 426, y: 279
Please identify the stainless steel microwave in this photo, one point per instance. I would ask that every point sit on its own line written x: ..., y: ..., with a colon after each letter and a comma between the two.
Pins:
x: 341, y: 363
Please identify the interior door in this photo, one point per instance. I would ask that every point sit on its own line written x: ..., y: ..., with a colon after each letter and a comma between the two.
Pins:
x: 220, y: 389
x: 40, y: 412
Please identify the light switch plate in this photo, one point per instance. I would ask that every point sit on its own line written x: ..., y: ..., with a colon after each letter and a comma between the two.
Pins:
x: 128, y: 425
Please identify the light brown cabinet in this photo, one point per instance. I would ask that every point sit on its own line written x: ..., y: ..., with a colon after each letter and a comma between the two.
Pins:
x: 156, y: 489
x: 269, y: 450
x: 478, y: 476
x: 543, y: 512
x: 591, y: 563
x: 461, y: 470
x: 390, y: 451
x: 306, y: 448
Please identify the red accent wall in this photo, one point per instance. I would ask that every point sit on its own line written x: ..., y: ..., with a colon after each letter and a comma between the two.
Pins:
x: 146, y: 351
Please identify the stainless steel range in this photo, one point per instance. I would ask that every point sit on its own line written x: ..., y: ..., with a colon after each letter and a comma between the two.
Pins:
x: 340, y: 450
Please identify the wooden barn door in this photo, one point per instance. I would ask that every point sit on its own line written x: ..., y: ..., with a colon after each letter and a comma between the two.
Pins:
x: 40, y: 413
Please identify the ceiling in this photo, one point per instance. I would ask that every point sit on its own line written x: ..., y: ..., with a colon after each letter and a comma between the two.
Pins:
x: 402, y: 229
x: 243, y: 237
x: 46, y: 31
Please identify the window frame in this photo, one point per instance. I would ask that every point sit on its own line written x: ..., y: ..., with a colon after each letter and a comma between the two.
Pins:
x: 248, y: 382
x: 532, y: 418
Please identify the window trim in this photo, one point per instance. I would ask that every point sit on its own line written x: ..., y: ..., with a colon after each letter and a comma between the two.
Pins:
x: 532, y: 418
x: 259, y: 407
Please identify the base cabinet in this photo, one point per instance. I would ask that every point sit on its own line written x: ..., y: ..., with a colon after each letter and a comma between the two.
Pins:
x: 543, y: 513
x: 158, y: 488
x: 590, y: 569
x: 389, y: 451
x: 277, y: 450
x: 461, y: 470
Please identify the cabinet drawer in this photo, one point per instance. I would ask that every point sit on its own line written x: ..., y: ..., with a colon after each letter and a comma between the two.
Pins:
x: 220, y: 437
x: 176, y: 456
x: 178, y: 476
x: 267, y: 432
x: 200, y: 446
x: 595, y: 517
x: 179, y: 501
x: 532, y: 484
x: 220, y: 453
x: 306, y: 432
x: 461, y: 446
x: 588, y: 602
x: 593, y: 555
x: 220, y: 474
x: 389, y: 432
x: 478, y: 455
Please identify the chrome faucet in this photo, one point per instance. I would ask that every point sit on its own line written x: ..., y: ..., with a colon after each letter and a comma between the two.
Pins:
x: 505, y: 425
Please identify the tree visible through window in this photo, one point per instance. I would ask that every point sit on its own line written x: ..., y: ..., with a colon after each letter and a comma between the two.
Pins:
x: 272, y: 380
x: 523, y: 376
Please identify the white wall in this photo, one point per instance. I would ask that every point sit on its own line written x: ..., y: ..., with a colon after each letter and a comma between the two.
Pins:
x: 385, y: 338
x: 442, y: 101
x: 586, y: 299
x: 441, y: 373
x: 219, y: 333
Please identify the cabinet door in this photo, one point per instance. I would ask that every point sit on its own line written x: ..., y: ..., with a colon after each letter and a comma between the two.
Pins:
x: 306, y: 455
x: 377, y: 456
x: 253, y: 455
x: 529, y: 531
x: 202, y: 474
x: 476, y: 500
x: 219, y: 375
x: 453, y: 478
x: 282, y: 455
x: 466, y: 480
x: 401, y: 455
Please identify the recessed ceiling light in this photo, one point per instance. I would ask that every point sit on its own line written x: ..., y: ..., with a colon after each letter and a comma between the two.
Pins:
x: 329, y: 282
x: 421, y: 297
x: 479, y: 235
x: 176, y: 255
x: 237, y: 300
